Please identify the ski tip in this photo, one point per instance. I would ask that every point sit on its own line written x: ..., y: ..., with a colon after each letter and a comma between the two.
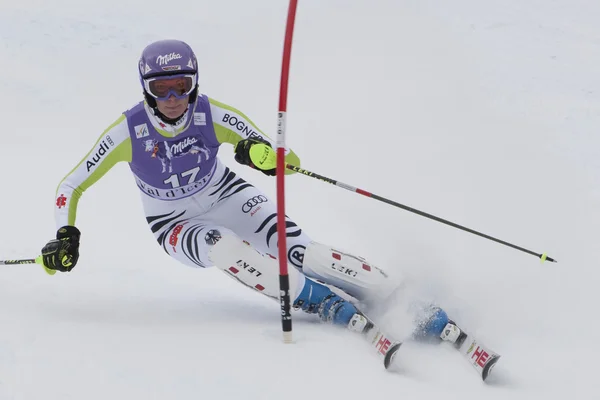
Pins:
x: 391, y: 354
x: 489, y: 366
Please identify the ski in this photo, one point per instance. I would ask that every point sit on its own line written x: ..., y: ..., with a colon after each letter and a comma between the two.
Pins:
x: 478, y: 355
x: 244, y: 264
x: 383, y: 344
x: 481, y: 357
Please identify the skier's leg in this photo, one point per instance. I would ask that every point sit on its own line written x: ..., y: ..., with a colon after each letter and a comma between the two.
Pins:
x: 251, y: 215
x: 182, y: 230
x: 260, y: 272
x: 187, y: 232
x: 187, y: 229
x: 353, y: 274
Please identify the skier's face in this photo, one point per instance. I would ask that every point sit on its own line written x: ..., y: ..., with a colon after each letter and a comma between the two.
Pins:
x: 172, y: 108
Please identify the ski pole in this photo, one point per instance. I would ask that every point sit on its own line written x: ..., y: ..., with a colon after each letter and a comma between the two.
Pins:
x: 37, y: 260
x: 543, y: 257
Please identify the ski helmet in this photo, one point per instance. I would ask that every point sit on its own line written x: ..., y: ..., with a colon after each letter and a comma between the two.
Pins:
x: 166, y: 59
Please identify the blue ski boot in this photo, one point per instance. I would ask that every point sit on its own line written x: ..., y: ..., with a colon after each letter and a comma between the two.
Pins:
x: 316, y: 298
x: 434, y: 325
x: 430, y: 324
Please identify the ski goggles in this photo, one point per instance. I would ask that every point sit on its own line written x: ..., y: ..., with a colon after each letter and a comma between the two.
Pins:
x: 163, y: 87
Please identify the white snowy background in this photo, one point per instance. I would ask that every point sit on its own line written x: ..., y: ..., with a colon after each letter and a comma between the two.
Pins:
x: 482, y: 112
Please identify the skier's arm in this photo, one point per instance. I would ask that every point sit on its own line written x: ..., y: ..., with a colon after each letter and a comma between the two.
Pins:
x: 232, y: 126
x: 112, y: 146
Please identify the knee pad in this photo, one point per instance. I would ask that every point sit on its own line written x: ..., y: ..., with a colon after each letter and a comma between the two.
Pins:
x: 353, y: 274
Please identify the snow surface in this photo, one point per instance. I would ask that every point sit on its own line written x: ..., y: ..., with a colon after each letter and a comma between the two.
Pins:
x: 482, y: 112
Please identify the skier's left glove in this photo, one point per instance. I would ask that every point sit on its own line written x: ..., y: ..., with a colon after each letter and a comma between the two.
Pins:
x: 256, y: 153
x: 62, y: 253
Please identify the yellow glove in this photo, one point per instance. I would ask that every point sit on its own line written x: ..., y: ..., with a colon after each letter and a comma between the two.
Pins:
x: 258, y: 154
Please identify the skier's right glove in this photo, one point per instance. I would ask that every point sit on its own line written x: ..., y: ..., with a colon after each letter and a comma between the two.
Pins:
x: 62, y: 253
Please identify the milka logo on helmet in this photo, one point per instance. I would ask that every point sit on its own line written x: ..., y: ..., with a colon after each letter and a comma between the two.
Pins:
x: 167, y: 58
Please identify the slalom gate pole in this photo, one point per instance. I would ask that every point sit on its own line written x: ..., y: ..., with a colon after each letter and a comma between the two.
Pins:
x: 284, y: 281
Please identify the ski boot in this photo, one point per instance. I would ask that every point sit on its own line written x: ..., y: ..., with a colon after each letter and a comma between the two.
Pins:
x: 316, y: 298
x: 433, y: 324
x: 453, y: 334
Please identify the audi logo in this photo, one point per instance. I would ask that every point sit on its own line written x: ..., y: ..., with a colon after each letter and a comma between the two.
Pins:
x: 253, y: 202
